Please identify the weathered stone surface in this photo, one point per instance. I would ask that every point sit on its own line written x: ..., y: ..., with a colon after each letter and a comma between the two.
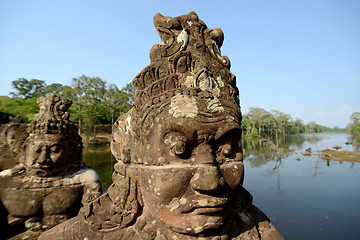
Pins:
x: 179, y: 173
x: 49, y: 184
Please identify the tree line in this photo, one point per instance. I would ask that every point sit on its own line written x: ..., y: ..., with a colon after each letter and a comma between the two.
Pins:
x: 95, y: 101
x: 261, y: 123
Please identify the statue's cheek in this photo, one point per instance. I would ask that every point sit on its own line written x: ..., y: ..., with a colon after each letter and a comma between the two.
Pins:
x: 165, y: 185
x: 233, y: 174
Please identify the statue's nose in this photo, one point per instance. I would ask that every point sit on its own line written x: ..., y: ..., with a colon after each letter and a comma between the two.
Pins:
x: 203, y: 154
x: 207, y: 179
x: 207, y: 176
x: 44, y: 157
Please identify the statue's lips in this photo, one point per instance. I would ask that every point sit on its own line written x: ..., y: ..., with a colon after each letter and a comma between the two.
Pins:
x: 207, y: 211
x: 42, y: 166
x: 204, y: 206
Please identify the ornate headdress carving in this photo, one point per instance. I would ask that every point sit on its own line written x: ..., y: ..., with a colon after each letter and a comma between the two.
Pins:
x: 188, y: 62
x: 52, y: 117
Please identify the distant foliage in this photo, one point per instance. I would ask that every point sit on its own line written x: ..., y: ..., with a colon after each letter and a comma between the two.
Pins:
x: 94, y: 100
x: 354, y: 127
x: 26, y: 109
x: 261, y: 123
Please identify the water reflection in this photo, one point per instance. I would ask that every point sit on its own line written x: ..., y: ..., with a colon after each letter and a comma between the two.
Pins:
x: 100, y: 159
x: 305, y: 196
x: 260, y: 152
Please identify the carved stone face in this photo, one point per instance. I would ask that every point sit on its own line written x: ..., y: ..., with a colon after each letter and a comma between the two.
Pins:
x: 49, y: 154
x: 11, y: 135
x: 199, y: 168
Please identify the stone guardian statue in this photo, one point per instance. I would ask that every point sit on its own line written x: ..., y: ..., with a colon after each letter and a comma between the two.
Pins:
x: 50, y: 183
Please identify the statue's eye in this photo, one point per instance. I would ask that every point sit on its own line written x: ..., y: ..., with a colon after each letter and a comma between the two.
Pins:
x: 179, y: 148
x: 225, y: 150
x: 228, y: 152
x: 55, y: 149
x: 177, y: 143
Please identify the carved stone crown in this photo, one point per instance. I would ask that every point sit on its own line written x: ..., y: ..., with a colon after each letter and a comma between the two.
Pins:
x: 188, y: 62
x: 52, y: 117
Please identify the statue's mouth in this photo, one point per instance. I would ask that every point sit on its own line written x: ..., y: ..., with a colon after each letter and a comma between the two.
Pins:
x: 207, y: 211
x: 41, y: 173
x: 200, y: 205
x: 202, y: 213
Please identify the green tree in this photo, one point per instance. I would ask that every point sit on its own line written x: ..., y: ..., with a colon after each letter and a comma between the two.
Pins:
x: 118, y: 101
x: 27, y: 89
x: 77, y: 95
x: 88, y: 93
x: 282, y: 121
x: 244, y: 124
x: 255, y: 116
x: 261, y: 120
x: 19, y: 107
x: 129, y: 97
x: 56, y: 88
x: 95, y: 94
x: 355, y: 117
x: 299, y: 126
x: 311, y: 127
x: 113, y: 99
x: 354, y: 127
x: 67, y: 92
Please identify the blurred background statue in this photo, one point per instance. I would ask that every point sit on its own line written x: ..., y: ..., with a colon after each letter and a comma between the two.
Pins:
x: 50, y: 183
x: 12, y: 137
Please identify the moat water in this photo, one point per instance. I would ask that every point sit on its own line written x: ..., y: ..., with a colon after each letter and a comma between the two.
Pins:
x: 305, y: 197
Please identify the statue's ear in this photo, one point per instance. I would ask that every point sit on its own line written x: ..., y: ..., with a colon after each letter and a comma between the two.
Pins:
x: 122, y: 138
x: 124, y: 194
x: 22, y: 151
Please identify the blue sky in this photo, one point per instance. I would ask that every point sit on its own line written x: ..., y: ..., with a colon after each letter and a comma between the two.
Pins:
x: 301, y: 57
